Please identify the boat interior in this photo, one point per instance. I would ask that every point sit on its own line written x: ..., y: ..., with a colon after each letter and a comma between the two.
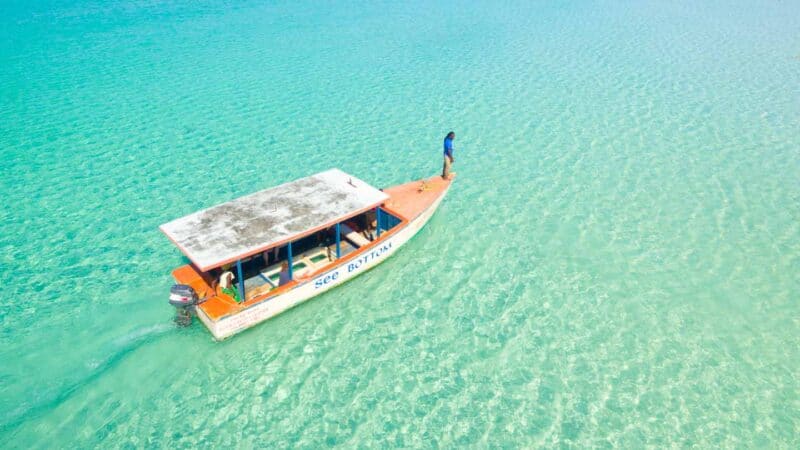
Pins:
x: 310, y: 254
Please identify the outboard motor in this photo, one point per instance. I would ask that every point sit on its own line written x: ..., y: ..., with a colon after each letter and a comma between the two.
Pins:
x: 184, y: 298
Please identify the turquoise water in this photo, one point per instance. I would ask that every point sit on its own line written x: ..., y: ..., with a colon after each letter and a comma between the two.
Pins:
x: 616, y: 265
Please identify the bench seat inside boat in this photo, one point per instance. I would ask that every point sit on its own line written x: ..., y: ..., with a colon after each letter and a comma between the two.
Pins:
x: 354, y: 237
x: 303, y: 264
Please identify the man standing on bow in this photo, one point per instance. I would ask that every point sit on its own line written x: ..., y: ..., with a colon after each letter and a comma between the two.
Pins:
x: 448, y: 155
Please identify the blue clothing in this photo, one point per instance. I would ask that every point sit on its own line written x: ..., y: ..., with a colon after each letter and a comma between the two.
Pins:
x: 284, y: 277
x: 448, y: 147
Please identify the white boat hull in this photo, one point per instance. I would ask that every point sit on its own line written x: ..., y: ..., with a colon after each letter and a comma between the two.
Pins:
x: 232, y: 324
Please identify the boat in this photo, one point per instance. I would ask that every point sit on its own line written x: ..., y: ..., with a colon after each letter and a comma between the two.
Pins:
x: 257, y: 256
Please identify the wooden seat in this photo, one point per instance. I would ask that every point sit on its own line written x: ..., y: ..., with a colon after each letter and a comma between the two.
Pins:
x: 354, y: 238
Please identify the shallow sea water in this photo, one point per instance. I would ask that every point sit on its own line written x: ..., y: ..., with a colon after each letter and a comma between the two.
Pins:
x: 616, y: 265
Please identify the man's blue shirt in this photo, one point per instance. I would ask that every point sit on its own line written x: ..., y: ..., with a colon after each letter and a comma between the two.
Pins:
x: 448, y: 147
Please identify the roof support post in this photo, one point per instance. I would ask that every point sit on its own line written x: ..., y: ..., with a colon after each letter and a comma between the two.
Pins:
x: 378, y: 220
x: 241, y: 279
x: 289, y: 255
x: 338, y: 242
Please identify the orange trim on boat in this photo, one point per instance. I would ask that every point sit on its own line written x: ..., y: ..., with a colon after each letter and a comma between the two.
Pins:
x: 411, y: 199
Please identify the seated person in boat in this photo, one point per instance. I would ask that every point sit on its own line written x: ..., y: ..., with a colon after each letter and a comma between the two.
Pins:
x: 284, y: 277
x: 370, y: 224
x: 228, y: 287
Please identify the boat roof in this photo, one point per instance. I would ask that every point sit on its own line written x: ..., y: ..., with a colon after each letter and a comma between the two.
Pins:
x: 251, y: 224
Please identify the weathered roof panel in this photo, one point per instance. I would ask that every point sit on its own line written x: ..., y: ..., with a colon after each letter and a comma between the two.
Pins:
x: 253, y: 223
